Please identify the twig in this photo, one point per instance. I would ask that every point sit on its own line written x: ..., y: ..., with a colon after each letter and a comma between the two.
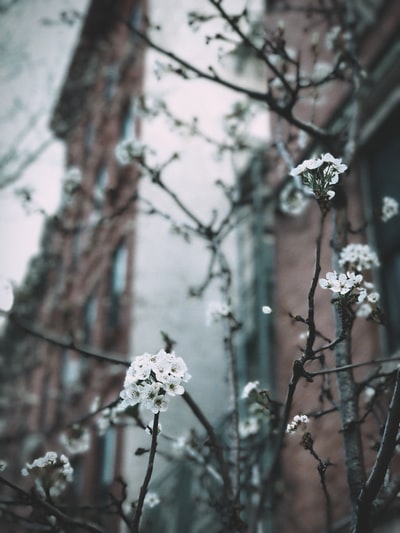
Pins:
x: 66, y: 343
x: 383, y: 457
x: 147, y: 478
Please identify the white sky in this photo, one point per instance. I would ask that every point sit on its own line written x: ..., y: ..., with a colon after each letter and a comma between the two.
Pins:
x: 33, y: 60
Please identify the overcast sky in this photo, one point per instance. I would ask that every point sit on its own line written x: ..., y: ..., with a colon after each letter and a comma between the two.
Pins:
x: 35, y: 49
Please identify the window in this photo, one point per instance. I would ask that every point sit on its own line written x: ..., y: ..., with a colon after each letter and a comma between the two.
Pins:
x: 117, y: 282
x: 76, y: 246
x: 383, y: 167
x: 88, y: 137
x: 99, y: 187
x: 89, y: 318
x: 108, y: 453
x: 44, y: 400
x: 136, y: 18
x: 128, y: 125
x: 70, y: 371
x: 110, y: 85
x: 256, y: 274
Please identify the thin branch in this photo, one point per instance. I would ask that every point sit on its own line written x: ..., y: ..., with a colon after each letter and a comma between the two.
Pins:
x: 383, y: 457
x: 147, y: 478
x: 213, y: 440
x: 32, y: 500
x: 65, y: 342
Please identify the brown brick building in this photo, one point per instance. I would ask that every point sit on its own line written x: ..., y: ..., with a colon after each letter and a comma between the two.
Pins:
x: 78, y: 289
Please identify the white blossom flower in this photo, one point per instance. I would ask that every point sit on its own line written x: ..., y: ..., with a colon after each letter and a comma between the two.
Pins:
x: 369, y: 393
x: 293, y: 201
x: 340, y: 283
x: 108, y: 417
x: 151, y: 499
x: 180, y: 445
x: 332, y: 37
x: 316, y: 176
x: 216, y: 310
x: 172, y: 386
x: 364, y: 310
x: 250, y: 386
x: 130, y: 396
x: 266, y: 309
x: 152, y: 379
x: 249, y: 426
x: 358, y: 256
x: 52, y: 474
x: 366, y: 293
x: 321, y: 70
x: 128, y: 150
x: 299, y: 424
x: 390, y: 208
x: 160, y: 404
x: 76, y: 440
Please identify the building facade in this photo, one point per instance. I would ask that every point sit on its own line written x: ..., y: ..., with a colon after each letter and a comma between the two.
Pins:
x: 79, y: 287
x: 126, y: 253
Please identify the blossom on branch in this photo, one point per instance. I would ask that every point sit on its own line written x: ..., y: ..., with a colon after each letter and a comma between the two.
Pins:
x: 340, y: 283
x: 249, y: 388
x: 358, y: 257
x: 317, y: 176
x: 52, y: 474
x: 390, y: 208
x: 249, y: 426
x: 128, y: 150
x: 151, y: 500
x: 216, y: 311
x: 152, y: 379
x: 292, y: 200
x: 298, y: 425
x: 76, y: 440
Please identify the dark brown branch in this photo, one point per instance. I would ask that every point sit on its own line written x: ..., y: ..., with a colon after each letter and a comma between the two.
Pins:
x: 32, y: 500
x: 66, y: 343
x: 147, y: 478
x: 384, y: 455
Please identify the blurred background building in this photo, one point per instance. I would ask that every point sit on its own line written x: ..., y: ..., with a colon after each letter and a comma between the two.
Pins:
x: 114, y: 273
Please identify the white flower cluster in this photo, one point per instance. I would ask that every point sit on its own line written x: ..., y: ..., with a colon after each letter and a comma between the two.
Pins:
x: 356, y: 257
x: 293, y: 201
x: 345, y: 283
x: 316, y: 176
x: 107, y: 417
x: 152, y: 380
x: 76, y: 441
x: 249, y: 387
x: 53, y: 473
x: 216, y: 310
x: 128, y: 150
x: 249, y: 426
x: 298, y: 425
x: 341, y: 283
x: 390, y: 208
x: 359, y: 257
